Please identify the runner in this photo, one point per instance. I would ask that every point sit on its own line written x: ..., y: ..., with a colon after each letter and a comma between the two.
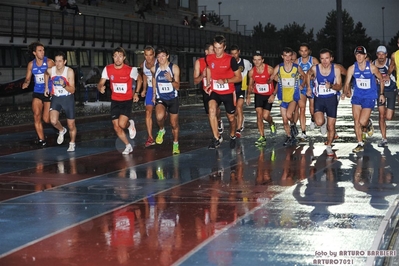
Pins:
x: 386, y: 110
x: 222, y: 73
x: 121, y: 76
x: 326, y: 84
x: 241, y: 87
x: 365, y: 92
x: 166, y: 81
x: 258, y: 83
x: 288, y: 90
x: 40, y: 104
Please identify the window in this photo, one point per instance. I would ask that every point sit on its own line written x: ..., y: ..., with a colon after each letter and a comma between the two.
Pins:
x: 185, y: 3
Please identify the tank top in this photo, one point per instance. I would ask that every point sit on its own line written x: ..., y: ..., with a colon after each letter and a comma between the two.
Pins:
x: 260, y: 81
x: 165, y: 89
x: 57, y: 89
x: 288, y: 83
x: 121, y: 82
x: 221, y: 68
x: 320, y: 89
x: 396, y: 57
x: 389, y: 85
x: 148, y: 74
x: 38, y: 74
x: 305, y: 67
x: 365, y: 84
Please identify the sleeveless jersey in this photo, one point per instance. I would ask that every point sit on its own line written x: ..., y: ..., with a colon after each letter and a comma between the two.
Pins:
x: 121, y: 83
x: 165, y: 90
x: 390, y: 85
x: 365, y: 84
x: 244, y: 66
x: 148, y: 74
x: 320, y: 89
x: 260, y: 82
x: 288, y: 83
x: 305, y: 67
x: 57, y: 89
x: 396, y: 57
x: 38, y: 74
x: 222, y: 68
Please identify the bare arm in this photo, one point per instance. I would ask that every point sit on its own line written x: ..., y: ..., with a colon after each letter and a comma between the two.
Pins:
x: 70, y: 87
x: 250, y: 86
x: 338, y: 80
x: 198, y: 76
x: 46, y: 78
x: 347, y: 88
x: 28, y: 75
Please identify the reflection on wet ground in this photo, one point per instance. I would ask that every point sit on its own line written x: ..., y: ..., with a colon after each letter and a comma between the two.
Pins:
x: 247, y: 206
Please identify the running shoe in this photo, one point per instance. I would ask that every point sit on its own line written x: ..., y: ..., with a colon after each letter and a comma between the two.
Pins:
x: 329, y: 151
x: 294, y: 130
x: 287, y: 141
x: 61, y: 134
x: 312, y: 125
x: 132, y: 129
x: 242, y: 124
x: 214, y: 144
x: 176, y: 148
x: 71, y: 146
x: 159, y: 138
x: 323, y: 128
x: 383, y: 143
x: 273, y: 129
x: 232, y: 142
x: 42, y: 143
x: 220, y: 139
x: 150, y: 141
x: 220, y: 127
x: 364, y: 136
x: 128, y: 149
x: 370, y: 128
x: 358, y: 148
x: 302, y: 137
x: 238, y: 133
x: 261, y: 141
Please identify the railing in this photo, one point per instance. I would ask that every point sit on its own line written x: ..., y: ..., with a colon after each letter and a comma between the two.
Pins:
x: 91, y: 31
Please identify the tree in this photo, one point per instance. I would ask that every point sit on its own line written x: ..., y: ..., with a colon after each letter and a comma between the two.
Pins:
x: 353, y: 35
x: 266, y: 38
x: 393, y: 43
x: 215, y: 19
x: 292, y: 35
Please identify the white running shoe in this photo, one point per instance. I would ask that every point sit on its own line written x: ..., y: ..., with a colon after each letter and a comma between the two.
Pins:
x: 329, y: 151
x: 71, y: 146
x: 128, y: 149
x: 323, y: 128
x: 61, y: 134
x: 312, y: 125
x: 132, y: 129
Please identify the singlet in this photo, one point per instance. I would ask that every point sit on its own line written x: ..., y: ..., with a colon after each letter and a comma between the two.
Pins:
x: 365, y: 84
x: 288, y: 83
x: 390, y: 85
x: 38, y: 73
x: 120, y: 81
x: 260, y: 82
x: 57, y: 89
x: 305, y: 67
x: 320, y: 89
x: 222, y: 68
x: 148, y: 74
x: 396, y: 57
x: 244, y: 66
x: 165, y: 89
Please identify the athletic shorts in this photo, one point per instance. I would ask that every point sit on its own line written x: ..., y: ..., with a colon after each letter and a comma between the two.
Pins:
x: 390, y: 100
x: 205, y: 100
x: 172, y: 106
x: 119, y: 108
x: 41, y: 97
x: 229, y: 101
x: 285, y: 104
x: 240, y: 94
x: 326, y: 105
x: 304, y: 90
x: 363, y: 102
x: 66, y: 103
x: 262, y: 101
x: 148, y: 97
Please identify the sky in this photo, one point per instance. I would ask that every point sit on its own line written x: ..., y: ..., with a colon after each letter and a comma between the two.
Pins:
x: 312, y: 13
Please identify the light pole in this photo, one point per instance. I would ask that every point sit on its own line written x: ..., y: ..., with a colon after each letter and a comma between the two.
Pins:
x: 219, y: 8
x: 383, y: 26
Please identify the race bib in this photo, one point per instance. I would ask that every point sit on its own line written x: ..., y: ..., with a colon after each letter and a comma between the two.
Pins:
x: 288, y: 82
x: 165, y: 87
x: 323, y: 90
x: 363, y: 84
x: 220, y: 87
x: 120, y: 88
x: 60, y: 91
x: 39, y: 78
x: 262, y: 88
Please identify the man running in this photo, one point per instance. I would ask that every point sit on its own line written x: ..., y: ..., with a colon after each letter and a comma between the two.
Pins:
x: 288, y: 90
x: 241, y: 87
x: 148, y: 92
x: 326, y: 84
x: 258, y: 83
x: 386, y: 110
x: 365, y: 92
x: 40, y: 104
x: 166, y: 82
x: 121, y: 76
x: 62, y: 97
x: 222, y: 73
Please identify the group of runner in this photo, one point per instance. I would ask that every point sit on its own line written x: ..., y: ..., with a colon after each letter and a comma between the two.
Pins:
x: 228, y: 79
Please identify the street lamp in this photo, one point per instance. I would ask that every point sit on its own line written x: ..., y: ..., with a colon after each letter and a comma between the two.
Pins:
x: 383, y: 27
x: 219, y: 8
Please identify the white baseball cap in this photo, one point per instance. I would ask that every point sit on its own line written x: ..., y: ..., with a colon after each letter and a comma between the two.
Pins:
x: 381, y: 49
